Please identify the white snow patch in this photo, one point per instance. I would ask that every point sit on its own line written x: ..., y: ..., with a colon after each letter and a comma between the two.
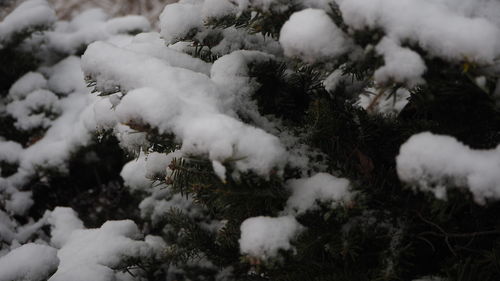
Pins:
x: 183, y: 102
x: 153, y: 45
x: 63, y: 222
x: 32, y: 13
x: 311, y: 35
x: 322, y: 187
x: 178, y: 19
x: 402, y: 65
x: 263, y: 237
x: 157, y: 164
x: 26, y: 84
x: 219, y: 170
x: 91, y: 254
x: 66, y: 77
x: 10, y: 151
x: 34, y: 111
x: 437, y: 28
x: 434, y: 162
x: 218, y: 8
x: 375, y: 101
x: 19, y: 203
x: 162, y: 201
x: 89, y: 26
x: 134, y: 174
x: 31, y: 262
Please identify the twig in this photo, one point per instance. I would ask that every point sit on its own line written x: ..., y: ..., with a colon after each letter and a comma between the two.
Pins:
x: 447, y: 235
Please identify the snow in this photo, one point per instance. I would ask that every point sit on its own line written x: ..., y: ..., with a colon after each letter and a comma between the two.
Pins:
x: 63, y: 222
x: 322, y: 187
x: 219, y: 170
x: 262, y: 237
x: 235, y: 39
x: 157, y: 164
x: 66, y: 77
x: 7, y: 228
x: 157, y: 244
x: 10, y: 151
x: 126, y: 24
x: 178, y: 19
x: 104, y: 115
x: 381, y: 102
x: 401, y: 65
x: 89, y: 26
x: 130, y: 140
x: 218, y: 9
x: 230, y: 73
x: 29, y: 14
x: 437, y: 28
x: 311, y: 35
x: 19, y: 203
x: 134, y: 174
x: 113, y: 66
x: 91, y: 254
x: 432, y: 162
x: 25, y: 111
x: 264, y: 5
x: 488, y: 9
x: 31, y: 262
x: 183, y: 102
x: 200, y: 104
x: 333, y: 80
x: 67, y: 132
x: 162, y: 201
x: 152, y: 45
x: 54, y: 99
x: 28, y: 232
x: 26, y: 84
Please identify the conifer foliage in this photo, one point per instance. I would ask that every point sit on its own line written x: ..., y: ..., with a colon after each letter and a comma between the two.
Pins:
x: 252, y: 140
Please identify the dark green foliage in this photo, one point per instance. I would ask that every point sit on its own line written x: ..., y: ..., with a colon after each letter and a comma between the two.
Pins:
x: 7, y: 169
x: 10, y: 132
x: 281, y: 94
x: 255, y: 21
x: 92, y: 186
x: 14, y: 60
x: 457, y: 105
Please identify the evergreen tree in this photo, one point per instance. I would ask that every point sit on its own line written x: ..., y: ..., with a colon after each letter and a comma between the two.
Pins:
x: 296, y: 140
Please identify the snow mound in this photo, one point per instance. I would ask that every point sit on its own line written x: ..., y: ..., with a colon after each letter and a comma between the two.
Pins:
x: 29, y: 14
x: 402, y: 65
x: 321, y: 187
x: 432, y: 162
x: 311, y: 35
x: 10, y: 151
x: 30, y: 262
x: 436, y: 27
x: 134, y: 174
x: 92, y: 25
x: 26, y: 84
x: 63, y: 222
x: 92, y: 254
x: 178, y: 19
x: 263, y: 237
x: 34, y: 111
x: 183, y: 102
